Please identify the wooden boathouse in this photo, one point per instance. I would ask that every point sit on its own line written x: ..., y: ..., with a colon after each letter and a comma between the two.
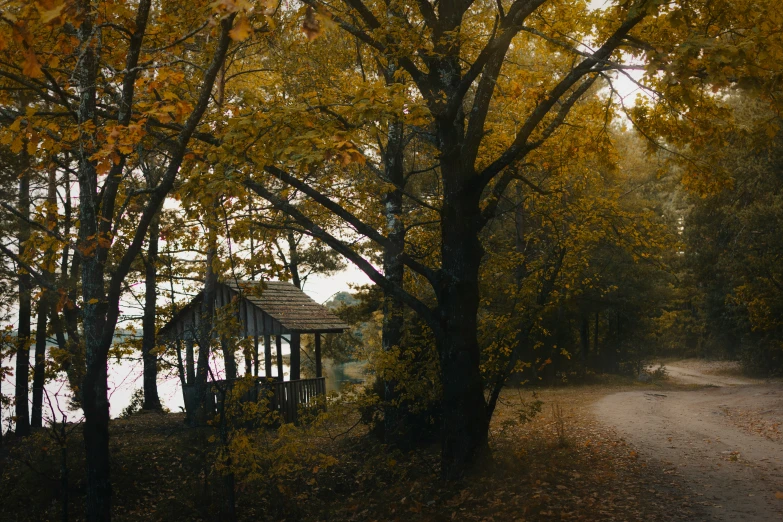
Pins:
x: 265, y: 310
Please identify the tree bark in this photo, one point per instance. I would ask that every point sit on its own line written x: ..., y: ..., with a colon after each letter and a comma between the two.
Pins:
x: 95, y: 401
x: 150, y: 358
x: 394, y: 271
x: 293, y: 260
x: 46, y: 305
x: 36, y: 419
x: 100, y: 311
x: 465, y: 420
x: 25, y: 309
x: 227, y: 347
x: 199, y: 416
x: 190, y: 362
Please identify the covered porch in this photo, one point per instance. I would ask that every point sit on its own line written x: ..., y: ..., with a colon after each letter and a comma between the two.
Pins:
x: 266, y: 313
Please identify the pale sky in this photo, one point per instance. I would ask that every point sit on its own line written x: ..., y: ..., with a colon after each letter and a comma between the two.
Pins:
x: 321, y: 288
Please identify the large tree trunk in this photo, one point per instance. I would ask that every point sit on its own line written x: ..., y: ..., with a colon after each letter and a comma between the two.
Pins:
x: 394, y: 270
x: 96, y: 426
x: 95, y: 401
x: 150, y: 358
x: 200, y: 388
x: 100, y: 311
x: 25, y: 309
x: 465, y: 419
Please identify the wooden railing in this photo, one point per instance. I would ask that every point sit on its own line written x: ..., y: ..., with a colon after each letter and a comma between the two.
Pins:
x: 286, y: 398
x: 289, y: 395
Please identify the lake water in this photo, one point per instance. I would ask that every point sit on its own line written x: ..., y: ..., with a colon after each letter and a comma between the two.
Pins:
x: 125, y: 376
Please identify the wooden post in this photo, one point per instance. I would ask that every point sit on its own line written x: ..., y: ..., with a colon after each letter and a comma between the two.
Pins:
x: 318, y: 369
x: 255, y: 356
x: 296, y: 356
x: 279, y: 345
x: 242, y: 318
x: 183, y: 377
x: 190, y: 361
x: 267, y: 356
x: 251, y: 316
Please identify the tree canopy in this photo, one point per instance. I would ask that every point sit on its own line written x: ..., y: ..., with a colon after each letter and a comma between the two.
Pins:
x: 521, y: 218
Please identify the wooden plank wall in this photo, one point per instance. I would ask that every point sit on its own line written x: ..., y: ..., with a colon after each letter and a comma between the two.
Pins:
x: 255, y: 322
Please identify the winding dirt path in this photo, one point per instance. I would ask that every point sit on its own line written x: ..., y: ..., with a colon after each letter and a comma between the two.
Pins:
x: 722, y: 442
x: 687, y: 375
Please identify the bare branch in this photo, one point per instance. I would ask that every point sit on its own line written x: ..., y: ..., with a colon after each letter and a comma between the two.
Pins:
x: 32, y: 222
x: 494, y: 51
x: 349, y: 218
x: 340, y: 247
x: 521, y: 145
x: 39, y: 278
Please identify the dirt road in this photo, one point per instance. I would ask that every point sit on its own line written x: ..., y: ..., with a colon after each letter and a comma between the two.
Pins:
x: 723, y: 443
x: 692, y: 374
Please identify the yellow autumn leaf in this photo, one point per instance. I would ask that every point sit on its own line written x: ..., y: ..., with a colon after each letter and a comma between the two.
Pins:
x: 241, y: 30
x: 17, y: 145
x: 30, y: 67
x: 779, y: 495
x: 50, y: 14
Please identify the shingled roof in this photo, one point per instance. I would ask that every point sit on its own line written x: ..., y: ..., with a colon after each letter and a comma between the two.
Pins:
x: 289, y: 306
x: 268, y: 307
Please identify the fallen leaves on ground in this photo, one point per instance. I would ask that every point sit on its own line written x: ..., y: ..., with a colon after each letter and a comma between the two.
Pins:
x: 561, y: 465
x: 764, y: 423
